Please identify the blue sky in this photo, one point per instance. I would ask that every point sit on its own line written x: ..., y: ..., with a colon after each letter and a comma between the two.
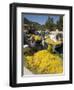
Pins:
x: 41, y: 19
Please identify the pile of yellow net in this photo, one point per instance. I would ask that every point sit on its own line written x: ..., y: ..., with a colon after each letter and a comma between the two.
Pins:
x: 47, y: 40
x: 36, y: 37
x: 44, y: 62
x: 50, y: 41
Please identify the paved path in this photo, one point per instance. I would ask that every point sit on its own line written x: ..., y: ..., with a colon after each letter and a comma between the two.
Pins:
x: 27, y: 72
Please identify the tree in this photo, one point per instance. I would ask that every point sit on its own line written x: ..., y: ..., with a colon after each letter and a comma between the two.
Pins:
x: 60, y: 23
x: 50, y: 24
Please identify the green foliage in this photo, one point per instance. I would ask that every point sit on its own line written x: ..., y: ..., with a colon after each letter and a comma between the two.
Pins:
x: 36, y: 26
x: 50, y: 24
x: 60, y: 23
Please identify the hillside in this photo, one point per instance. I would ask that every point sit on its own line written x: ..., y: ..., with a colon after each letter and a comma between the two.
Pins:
x: 36, y: 25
